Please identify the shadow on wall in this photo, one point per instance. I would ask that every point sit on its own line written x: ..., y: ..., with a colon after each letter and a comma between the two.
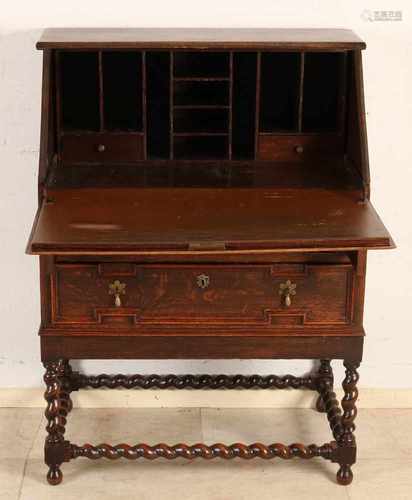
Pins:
x: 20, y: 93
x: 199, y: 367
x: 20, y: 83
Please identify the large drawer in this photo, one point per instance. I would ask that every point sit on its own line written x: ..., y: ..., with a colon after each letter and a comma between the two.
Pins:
x: 127, y: 294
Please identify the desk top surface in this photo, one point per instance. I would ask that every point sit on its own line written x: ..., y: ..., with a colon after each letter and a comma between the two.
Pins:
x: 200, y: 38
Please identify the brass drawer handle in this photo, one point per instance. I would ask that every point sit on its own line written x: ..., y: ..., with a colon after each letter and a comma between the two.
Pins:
x: 202, y: 281
x: 287, y: 290
x: 101, y: 148
x: 116, y: 288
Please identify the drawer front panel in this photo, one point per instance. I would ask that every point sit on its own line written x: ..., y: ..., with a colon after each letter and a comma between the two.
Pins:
x: 101, y: 148
x: 298, y: 147
x: 128, y: 294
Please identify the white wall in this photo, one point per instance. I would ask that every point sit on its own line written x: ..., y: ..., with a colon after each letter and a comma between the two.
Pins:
x: 388, y: 84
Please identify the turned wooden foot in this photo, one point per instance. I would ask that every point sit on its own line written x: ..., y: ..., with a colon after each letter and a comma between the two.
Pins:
x: 344, y: 475
x: 54, y: 476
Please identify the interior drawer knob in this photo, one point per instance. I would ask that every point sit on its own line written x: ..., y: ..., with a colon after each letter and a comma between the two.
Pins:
x: 287, y: 290
x: 116, y: 288
x: 299, y: 150
x: 101, y: 148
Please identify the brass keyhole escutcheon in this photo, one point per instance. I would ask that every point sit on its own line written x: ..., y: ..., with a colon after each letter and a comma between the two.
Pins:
x: 287, y: 290
x: 203, y: 281
x: 116, y: 288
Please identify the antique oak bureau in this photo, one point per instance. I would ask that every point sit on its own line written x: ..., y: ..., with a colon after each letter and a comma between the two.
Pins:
x: 203, y: 194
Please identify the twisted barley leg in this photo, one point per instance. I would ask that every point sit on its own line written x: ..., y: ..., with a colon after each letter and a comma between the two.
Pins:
x: 59, y: 404
x: 347, y: 442
x: 324, y: 380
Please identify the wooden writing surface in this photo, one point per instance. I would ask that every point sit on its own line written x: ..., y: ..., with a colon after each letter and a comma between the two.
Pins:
x: 128, y: 220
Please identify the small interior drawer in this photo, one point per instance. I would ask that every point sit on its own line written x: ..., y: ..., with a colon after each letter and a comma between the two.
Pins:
x: 298, y: 147
x: 130, y: 294
x: 102, y: 147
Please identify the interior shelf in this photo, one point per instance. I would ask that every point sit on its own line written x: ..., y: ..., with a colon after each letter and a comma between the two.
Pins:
x: 201, y: 64
x: 201, y: 147
x: 201, y: 79
x: 201, y: 120
x: 201, y: 106
x: 326, y: 175
x: 199, y: 134
x: 201, y: 93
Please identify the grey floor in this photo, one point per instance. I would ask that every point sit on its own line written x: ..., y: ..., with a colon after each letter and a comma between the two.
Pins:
x: 383, y: 471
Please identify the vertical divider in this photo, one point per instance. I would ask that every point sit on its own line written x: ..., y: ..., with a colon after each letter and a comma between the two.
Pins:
x: 57, y: 80
x: 230, y: 104
x: 171, y: 105
x: 301, y: 84
x: 144, y: 104
x: 101, y: 91
x: 257, y: 111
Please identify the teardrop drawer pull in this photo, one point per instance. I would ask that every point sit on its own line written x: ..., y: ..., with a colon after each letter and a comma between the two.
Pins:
x: 116, y: 288
x: 287, y: 290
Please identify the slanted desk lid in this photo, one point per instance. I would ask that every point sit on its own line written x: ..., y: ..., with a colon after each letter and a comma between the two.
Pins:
x: 130, y: 220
